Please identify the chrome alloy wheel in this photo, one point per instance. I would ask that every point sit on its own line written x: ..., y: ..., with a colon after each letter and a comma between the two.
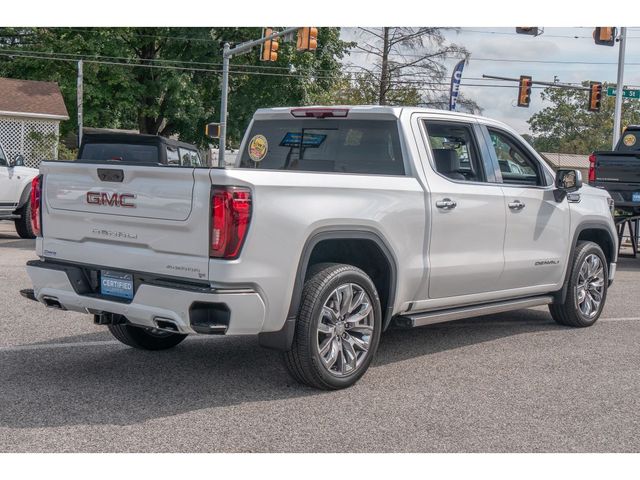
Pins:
x: 590, y: 286
x: 345, y: 329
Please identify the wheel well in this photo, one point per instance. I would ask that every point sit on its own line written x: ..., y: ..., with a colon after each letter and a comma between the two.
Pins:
x: 362, y: 253
x: 602, y: 238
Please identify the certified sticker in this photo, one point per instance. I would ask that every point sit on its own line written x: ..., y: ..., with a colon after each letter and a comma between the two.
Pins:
x: 258, y: 148
x: 629, y: 140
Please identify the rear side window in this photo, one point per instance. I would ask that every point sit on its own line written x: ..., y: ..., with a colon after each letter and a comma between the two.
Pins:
x: 173, y: 157
x: 121, y: 151
x: 454, y: 151
x: 629, y: 142
x: 342, y: 146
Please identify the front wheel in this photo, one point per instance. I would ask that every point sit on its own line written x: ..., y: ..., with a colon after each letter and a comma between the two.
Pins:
x: 145, y: 338
x: 337, y: 329
x: 586, y: 288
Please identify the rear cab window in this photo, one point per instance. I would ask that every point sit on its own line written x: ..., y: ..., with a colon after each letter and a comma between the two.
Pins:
x: 325, y: 145
x: 121, y: 152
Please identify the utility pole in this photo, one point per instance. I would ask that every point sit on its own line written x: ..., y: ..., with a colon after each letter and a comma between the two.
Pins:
x: 227, y: 54
x: 617, y: 117
x: 79, y: 95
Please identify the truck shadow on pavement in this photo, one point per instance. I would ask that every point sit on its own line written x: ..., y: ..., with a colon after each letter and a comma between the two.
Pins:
x: 109, y: 384
x: 11, y: 240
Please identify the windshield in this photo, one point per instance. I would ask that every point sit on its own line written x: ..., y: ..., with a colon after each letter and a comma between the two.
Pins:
x: 121, y: 151
x: 327, y: 145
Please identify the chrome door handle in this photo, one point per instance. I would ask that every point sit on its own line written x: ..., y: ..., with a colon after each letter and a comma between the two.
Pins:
x: 516, y: 205
x: 446, y: 204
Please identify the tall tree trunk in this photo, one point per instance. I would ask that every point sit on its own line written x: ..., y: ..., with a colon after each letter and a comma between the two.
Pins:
x: 384, y: 76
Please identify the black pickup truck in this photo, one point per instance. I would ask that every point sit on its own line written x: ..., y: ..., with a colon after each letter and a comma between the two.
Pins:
x: 104, y: 145
x: 618, y: 172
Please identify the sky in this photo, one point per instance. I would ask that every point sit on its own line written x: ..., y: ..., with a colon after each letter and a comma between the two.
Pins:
x: 502, y: 52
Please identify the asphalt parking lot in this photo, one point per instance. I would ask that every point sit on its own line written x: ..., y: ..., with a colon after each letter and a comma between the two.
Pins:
x: 504, y: 383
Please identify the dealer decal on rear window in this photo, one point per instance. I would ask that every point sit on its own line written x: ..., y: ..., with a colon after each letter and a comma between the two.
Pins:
x: 258, y: 148
x: 629, y: 140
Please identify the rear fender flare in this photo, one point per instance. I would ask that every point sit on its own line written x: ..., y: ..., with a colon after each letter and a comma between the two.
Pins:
x: 283, y: 338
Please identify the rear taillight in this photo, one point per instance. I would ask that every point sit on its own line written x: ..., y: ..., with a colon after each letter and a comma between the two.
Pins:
x: 36, y: 204
x: 230, y: 216
x: 592, y: 168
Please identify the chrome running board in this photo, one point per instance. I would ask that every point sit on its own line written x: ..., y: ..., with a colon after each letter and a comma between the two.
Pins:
x: 411, y: 320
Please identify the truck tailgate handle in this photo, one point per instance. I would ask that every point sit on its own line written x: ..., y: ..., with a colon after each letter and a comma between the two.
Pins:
x: 110, y: 175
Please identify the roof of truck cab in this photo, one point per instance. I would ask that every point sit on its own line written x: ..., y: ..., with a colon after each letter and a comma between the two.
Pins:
x: 90, y: 135
x: 373, y: 110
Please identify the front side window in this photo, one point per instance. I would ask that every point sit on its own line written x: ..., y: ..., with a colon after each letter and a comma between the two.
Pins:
x: 516, y: 166
x: 454, y: 151
x: 327, y: 145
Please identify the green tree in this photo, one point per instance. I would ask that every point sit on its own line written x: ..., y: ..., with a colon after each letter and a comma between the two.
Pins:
x: 172, y: 85
x: 567, y: 125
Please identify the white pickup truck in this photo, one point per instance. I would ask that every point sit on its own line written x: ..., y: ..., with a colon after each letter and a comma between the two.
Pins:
x: 15, y: 190
x: 335, y: 224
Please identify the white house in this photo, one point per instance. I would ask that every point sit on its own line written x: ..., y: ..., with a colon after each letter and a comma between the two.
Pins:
x: 30, y: 116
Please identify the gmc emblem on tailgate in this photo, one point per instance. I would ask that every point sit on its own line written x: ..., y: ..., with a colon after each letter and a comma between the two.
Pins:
x: 111, y: 199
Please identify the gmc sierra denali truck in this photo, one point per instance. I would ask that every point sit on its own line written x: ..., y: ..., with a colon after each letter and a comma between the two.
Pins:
x: 335, y: 224
x: 15, y: 190
x: 618, y: 172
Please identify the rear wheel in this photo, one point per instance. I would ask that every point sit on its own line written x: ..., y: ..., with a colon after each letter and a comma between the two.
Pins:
x: 145, y: 338
x: 586, y: 288
x: 23, y: 224
x: 337, y: 329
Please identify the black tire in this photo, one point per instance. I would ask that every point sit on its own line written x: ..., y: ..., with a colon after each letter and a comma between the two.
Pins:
x: 303, y: 360
x: 23, y: 224
x: 569, y: 313
x: 144, y: 338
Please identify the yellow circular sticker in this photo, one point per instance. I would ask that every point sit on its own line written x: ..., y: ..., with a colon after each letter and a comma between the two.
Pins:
x: 629, y: 140
x: 258, y: 148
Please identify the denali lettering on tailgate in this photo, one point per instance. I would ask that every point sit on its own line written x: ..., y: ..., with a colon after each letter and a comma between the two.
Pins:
x: 111, y: 199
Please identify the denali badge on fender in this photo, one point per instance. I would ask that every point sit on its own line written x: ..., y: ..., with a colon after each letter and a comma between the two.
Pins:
x: 111, y: 199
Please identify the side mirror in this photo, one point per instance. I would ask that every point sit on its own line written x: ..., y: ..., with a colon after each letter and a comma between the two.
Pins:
x: 567, y: 181
x: 16, y: 161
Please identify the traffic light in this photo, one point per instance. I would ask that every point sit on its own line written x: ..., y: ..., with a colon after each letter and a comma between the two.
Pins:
x: 524, y: 91
x: 212, y: 130
x: 269, y: 49
x: 595, y: 94
x: 307, y: 38
x: 605, y: 36
x: 535, y: 31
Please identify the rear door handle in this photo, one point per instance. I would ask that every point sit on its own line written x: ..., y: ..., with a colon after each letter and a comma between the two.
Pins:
x: 516, y: 205
x: 446, y: 204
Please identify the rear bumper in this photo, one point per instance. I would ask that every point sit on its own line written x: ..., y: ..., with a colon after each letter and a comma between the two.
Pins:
x: 244, y: 310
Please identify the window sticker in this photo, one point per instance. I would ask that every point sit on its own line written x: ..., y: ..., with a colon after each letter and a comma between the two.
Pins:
x: 294, y: 139
x: 629, y: 140
x: 258, y: 148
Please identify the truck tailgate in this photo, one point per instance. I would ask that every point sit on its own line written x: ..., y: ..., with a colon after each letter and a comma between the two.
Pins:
x: 618, y: 167
x: 121, y: 216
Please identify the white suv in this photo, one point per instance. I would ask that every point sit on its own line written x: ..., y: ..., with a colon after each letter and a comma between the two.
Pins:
x: 15, y: 188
